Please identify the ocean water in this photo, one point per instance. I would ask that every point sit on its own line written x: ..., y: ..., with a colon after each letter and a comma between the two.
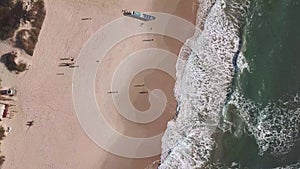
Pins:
x: 204, y: 72
x: 238, y: 89
x: 263, y: 109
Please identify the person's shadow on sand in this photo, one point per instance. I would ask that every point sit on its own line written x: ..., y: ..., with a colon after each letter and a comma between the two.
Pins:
x: 29, y: 124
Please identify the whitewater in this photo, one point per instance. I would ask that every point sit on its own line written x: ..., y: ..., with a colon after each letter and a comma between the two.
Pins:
x: 204, y: 72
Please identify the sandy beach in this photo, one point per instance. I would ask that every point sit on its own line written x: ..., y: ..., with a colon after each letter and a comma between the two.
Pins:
x: 57, y: 140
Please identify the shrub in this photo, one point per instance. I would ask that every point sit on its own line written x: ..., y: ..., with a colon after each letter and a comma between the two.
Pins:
x: 2, y: 159
x: 27, y: 39
x: 10, y: 63
x: 36, y: 14
x: 10, y: 15
x: 2, y: 132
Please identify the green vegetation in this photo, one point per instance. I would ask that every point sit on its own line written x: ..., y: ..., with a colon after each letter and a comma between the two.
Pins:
x: 36, y: 14
x: 2, y: 159
x: 9, y: 61
x: 26, y: 39
x: 10, y: 16
x: 2, y: 135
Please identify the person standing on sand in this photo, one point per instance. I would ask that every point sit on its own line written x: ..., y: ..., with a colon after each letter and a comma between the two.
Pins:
x: 29, y: 124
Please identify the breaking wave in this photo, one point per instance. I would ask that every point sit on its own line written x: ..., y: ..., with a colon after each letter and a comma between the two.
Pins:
x: 204, y: 73
x: 274, y: 126
x: 292, y: 166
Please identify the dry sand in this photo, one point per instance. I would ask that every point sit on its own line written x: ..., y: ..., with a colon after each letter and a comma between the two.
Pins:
x: 105, y: 74
x: 57, y: 141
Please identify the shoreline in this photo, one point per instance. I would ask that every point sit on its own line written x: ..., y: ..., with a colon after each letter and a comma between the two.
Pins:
x: 201, y: 89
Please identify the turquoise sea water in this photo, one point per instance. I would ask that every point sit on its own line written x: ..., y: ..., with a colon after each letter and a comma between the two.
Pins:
x: 265, y: 106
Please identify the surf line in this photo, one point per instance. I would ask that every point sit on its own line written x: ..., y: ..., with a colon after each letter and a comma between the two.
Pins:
x: 230, y: 89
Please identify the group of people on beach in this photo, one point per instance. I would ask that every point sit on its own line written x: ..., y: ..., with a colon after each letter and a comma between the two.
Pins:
x: 137, y: 85
x: 68, y: 62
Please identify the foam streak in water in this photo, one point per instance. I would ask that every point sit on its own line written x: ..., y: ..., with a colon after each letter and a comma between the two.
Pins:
x: 204, y: 72
x: 274, y: 126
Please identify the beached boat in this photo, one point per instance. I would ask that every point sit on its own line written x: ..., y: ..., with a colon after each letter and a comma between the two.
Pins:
x: 138, y: 15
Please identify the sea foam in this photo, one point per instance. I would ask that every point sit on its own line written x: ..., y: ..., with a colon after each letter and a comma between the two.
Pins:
x: 292, y: 166
x: 274, y: 126
x: 204, y: 73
